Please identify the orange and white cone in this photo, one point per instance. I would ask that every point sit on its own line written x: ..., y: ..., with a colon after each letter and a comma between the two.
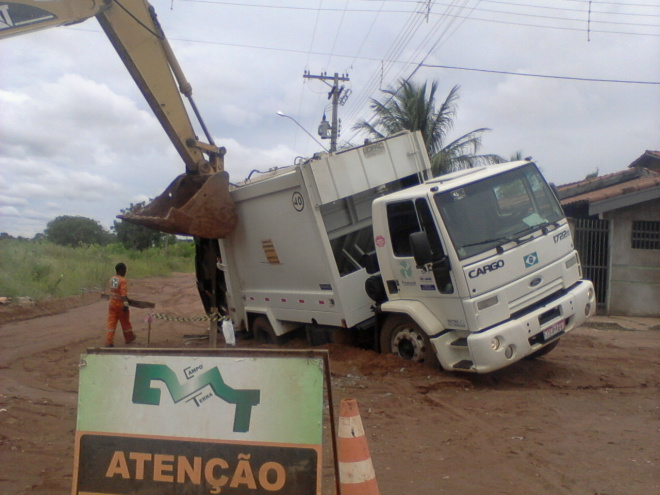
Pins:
x: 356, y: 471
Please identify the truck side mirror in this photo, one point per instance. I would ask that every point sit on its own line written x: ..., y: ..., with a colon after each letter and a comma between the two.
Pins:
x: 421, y: 249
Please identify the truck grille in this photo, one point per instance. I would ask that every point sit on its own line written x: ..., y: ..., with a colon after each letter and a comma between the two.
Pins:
x: 539, y: 304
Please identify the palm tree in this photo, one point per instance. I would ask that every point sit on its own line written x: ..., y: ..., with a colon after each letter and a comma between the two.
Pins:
x: 516, y: 156
x: 413, y: 107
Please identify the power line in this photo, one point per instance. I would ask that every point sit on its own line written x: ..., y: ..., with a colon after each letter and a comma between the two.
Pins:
x: 620, y: 4
x: 443, y: 26
x: 488, y: 11
x: 375, y: 59
x: 444, y: 36
x: 402, y: 40
x: 304, y: 52
x: 341, y: 23
x: 373, y: 23
x: 546, y: 76
x: 560, y: 28
x: 398, y: 11
x: 564, y: 9
x: 316, y: 24
x: 539, y: 16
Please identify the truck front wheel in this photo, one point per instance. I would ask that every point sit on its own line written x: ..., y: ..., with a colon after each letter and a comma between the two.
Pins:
x: 400, y: 335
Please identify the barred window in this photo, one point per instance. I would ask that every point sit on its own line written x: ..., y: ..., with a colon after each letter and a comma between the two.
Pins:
x: 645, y: 234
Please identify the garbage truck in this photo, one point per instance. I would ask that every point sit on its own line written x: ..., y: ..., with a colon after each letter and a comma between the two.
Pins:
x: 471, y: 271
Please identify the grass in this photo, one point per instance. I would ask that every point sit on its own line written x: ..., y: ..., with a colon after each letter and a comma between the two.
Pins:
x: 42, y: 270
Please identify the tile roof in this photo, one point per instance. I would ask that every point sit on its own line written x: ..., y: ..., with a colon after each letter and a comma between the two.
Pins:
x: 641, y: 174
x: 633, y: 185
x: 650, y: 159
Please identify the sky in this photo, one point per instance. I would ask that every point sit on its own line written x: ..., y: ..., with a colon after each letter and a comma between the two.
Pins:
x: 571, y: 83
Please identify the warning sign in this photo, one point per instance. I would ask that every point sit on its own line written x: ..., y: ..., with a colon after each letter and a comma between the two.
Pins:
x: 117, y: 464
x: 199, y: 423
x: 269, y: 251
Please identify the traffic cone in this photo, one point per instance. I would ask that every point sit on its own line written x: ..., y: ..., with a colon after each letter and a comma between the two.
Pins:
x: 356, y: 472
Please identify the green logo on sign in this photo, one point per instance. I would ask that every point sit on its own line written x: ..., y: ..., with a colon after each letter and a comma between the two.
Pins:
x: 143, y: 393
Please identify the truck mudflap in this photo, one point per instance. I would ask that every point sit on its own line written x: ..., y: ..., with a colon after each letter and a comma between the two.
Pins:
x: 513, y: 340
x: 197, y: 205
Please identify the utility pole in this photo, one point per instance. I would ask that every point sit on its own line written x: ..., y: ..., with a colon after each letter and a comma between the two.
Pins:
x: 336, y: 95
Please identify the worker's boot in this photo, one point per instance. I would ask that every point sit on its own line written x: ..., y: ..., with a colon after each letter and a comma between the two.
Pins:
x: 129, y: 336
x: 109, y: 338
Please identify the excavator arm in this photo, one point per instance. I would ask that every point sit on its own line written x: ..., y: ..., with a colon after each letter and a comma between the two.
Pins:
x: 196, y: 203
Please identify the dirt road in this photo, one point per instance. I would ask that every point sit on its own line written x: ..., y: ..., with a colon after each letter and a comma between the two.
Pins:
x: 583, y: 420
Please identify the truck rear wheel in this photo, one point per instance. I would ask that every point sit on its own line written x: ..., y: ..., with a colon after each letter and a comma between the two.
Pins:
x: 400, y: 335
x: 263, y: 331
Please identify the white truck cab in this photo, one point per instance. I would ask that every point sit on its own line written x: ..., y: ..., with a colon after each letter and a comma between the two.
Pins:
x: 479, y: 269
x: 472, y: 271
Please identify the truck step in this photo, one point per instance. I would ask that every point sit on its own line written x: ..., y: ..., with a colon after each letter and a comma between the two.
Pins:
x: 466, y: 364
x: 460, y: 342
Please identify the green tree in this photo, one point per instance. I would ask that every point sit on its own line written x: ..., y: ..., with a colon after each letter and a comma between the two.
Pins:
x: 76, y: 231
x: 133, y: 236
x: 414, y: 107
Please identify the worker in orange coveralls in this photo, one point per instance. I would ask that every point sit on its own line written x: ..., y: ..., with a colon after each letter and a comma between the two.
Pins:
x: 118, y: 309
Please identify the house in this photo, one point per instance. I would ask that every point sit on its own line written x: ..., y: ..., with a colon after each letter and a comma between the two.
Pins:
x: 616, y: 224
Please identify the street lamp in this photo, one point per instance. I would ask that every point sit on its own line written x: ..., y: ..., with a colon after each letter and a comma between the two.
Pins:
x: 282, y: 114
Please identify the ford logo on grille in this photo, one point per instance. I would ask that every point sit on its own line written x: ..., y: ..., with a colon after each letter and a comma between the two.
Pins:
x: 536, y: 281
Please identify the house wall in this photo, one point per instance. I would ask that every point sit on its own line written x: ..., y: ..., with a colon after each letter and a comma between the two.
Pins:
x: 634, y: 273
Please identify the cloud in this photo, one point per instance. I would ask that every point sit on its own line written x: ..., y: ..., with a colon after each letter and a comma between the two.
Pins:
x: 6, y: 200
x: 77, y: 137
x: 241, y: 160
x: 76, y: 141
x: 9, y: 211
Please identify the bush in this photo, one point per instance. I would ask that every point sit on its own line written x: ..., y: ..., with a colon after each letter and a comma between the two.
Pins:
x: 41, y: 269
x: 139, y: 237
x: 76, y: 231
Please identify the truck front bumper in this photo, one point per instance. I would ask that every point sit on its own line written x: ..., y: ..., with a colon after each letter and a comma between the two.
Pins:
x: 512, y: 340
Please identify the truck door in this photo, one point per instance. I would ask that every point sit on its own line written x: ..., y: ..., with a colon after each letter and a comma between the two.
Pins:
x: 406, y: 280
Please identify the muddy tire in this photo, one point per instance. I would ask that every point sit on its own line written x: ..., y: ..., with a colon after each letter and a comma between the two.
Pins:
x: 263, y: 331
x: 402, y: 336
x: 543, y: 350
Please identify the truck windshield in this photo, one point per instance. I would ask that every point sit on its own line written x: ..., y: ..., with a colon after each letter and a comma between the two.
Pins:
x: 493, y: 212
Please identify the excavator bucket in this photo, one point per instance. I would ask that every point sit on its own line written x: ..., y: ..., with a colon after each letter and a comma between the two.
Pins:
x: 197, y: 205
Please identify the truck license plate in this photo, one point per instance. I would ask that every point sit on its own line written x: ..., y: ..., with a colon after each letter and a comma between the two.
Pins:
x: 554, y: 330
